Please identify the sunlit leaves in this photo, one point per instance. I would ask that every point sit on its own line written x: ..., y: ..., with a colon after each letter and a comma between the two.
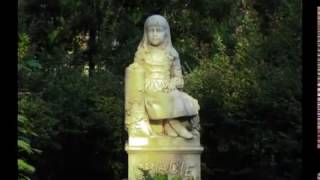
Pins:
x: 23, y: 45
x: 25, y: 150
x: 23, y: 166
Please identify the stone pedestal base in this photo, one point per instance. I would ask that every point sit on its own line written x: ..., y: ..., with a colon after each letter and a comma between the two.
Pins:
x: 175, y: 157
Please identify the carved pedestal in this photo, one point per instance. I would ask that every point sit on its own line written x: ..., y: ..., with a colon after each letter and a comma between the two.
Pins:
x: 175, y: 157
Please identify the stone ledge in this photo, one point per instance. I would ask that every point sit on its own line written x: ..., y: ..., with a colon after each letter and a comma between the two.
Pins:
x: 163, y: 144
x: 179, y: 150
x: 163, y: 141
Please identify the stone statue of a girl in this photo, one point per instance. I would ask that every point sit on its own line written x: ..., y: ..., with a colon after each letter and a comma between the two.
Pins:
x: 153, y: 87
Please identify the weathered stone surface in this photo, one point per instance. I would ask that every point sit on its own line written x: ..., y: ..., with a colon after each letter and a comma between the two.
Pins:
x: 172, y: 156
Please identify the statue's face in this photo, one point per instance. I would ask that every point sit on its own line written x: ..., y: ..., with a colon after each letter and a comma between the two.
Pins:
x: 156, y: 35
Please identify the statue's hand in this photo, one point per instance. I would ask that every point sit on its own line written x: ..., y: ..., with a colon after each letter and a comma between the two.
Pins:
x: 176, y: 83
x: 172, y: 85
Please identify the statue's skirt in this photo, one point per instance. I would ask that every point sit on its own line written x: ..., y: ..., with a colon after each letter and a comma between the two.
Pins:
x: 161, y: 105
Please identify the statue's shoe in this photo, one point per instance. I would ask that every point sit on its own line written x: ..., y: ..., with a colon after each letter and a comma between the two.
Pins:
x: 169, y: 130
x: 180, y: 129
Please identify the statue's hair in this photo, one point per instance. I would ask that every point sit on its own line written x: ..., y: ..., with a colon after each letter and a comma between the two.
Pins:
x: 167, y: 44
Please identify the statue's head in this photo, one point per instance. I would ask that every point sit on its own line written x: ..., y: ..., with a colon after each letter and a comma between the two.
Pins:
x: 156, y: 33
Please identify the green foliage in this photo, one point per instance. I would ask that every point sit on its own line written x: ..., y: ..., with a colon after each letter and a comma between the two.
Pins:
x: 160, y: 177
x: 82, y: 111
x: 25, y: 150
x: 176, y: 178
x: 242, y: 90
x: 23, y: 45
x: 146, y: 175
x: 25, y: 167
x: 24, y: 146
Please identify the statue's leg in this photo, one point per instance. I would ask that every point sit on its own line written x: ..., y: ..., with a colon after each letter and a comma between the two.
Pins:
x: 187, y: 123
x: 169, y: 130
x: 157, y: 127
x: 180, y: 129
x: 195, y: 124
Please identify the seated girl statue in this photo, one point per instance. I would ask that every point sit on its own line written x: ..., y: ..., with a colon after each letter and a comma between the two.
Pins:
x: 153, y: 87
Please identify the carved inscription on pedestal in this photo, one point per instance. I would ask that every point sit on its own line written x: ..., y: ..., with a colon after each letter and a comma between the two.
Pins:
x: 174, y: 168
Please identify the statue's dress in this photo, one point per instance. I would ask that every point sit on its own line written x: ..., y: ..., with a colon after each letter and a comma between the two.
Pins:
x: 162, y: 71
